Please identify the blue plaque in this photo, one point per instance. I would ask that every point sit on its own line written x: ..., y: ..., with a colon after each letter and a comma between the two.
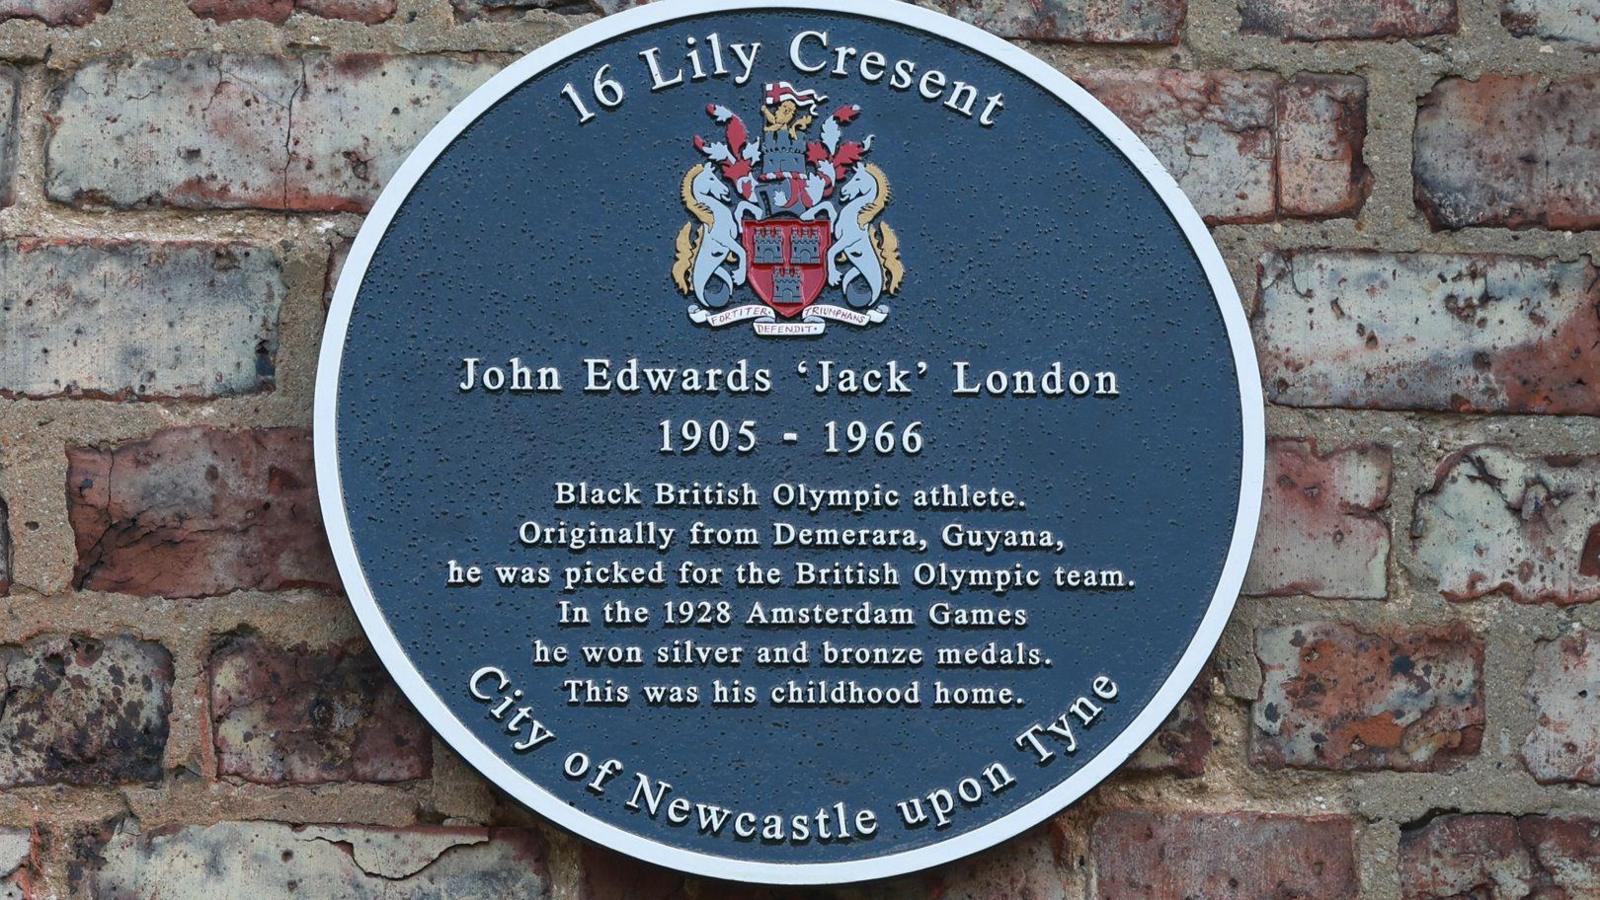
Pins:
x: 795, y: 445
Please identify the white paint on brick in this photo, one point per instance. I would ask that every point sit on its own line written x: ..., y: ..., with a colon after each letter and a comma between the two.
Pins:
x: 1577, y: 21
x: 233, y: 131
x: 1427, y: 331
x: 269, y: 859
x: 1497, y: 522
x: 1564, y: 743
x: 134, y: 319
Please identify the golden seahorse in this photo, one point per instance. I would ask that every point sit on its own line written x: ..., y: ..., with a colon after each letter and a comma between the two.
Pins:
x: 690, y: 235
x: 885, y: 243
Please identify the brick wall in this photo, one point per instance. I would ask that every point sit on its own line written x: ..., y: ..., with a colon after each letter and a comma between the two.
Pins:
x: 1406, y: 705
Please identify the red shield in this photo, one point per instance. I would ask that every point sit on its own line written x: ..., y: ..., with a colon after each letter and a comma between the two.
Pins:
x: 788, y: 262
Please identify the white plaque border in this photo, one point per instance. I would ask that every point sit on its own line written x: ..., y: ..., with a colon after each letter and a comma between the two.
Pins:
x: 478, y: 754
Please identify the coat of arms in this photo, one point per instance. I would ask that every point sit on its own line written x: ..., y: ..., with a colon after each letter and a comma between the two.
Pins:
x: 789, y: 214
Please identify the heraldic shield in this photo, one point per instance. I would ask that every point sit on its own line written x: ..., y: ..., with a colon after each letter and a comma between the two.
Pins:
x: 791, y: 213
x: 788, y: 262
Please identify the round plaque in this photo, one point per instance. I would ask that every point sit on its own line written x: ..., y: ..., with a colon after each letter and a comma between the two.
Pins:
x: 788, y: 444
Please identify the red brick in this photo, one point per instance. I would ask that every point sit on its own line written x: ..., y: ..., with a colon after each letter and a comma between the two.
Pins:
x: 1037, y: 865
x: 1423, y: 331
x: 1320, y: 20
x: 1076, y: 21
x: 370, y: 12
x: 123, y: 319
x: 1139, y: 854
x: 1510, y: 151
x: 1320, y: 531
x: 269, y: 859
x: 1336, y: 696
x: 1492, y: 856
x: 1229, y: 138
x: 1322, y: 126
x: 1182, y: 743
x: 194, y: 512
x: 1496, y: 522
x: 294, y: 715
x: 83, y: 710
x: 216, y: 131
x: 1564, y: 743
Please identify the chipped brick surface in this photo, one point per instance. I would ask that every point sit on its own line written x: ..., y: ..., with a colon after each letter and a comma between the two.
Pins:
x: 1316, y: 20
x: 1182, y: 743
x: 5, y: 550
x: 1575, y: 22
x: 123, y: 319
x: 193, y: 512
x: 1040, y: 864
x: 1564, y: 744
x: 268, y: 859
x: 1320, y: 531
x: 1221, y: 136
x: 320, y: 133
x: 1465, y: 333
x: 1144, y: 854
x: 1495, y: 856
x: 1499, y: 522
x: 290, y: 714
x: 1322, y: 127
x: 1475, y: 164
x: 54, y: 12
x: 83, y: 710
x: 370, y: 12
x: 1077, y: 21
x: 10, y: 90
x: 16, y: 864
x: 1335, y: 696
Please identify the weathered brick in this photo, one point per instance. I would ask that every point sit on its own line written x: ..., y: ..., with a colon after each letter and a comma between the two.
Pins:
x: 290, y: 714
x: 1422, y: 331
x: 83, y: 710
x: 1572, y: 21
x: 370, y: 12
x: 123, y: 319
x: 194, y: 512
x: 216, y: 131
x: 1497, y: 522
x: 1492, y: 857
x: 1322, y: 126
x: 5, y: 549
x: 336, y: 259
x: 1076, y: 21
x: 1564, y: 743
x: 54, y: 12
x: 1335, y: 696
x: 16, y: 864
x: 1182, y: 743
x: 1512, y: 151
x: 1224, y: 138
x: 1321, y: 20
x: 10, y: 91
x: 1320, y: 531
x: 1040, y: 864
x: 1045, y: 863
x: 1141, y: 854
x: 268, y: 859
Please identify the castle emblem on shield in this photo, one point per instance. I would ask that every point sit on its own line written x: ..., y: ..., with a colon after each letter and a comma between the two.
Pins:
x: 792, y: 216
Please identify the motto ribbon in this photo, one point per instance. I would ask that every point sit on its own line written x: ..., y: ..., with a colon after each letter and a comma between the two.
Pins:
x: 814, y: 321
